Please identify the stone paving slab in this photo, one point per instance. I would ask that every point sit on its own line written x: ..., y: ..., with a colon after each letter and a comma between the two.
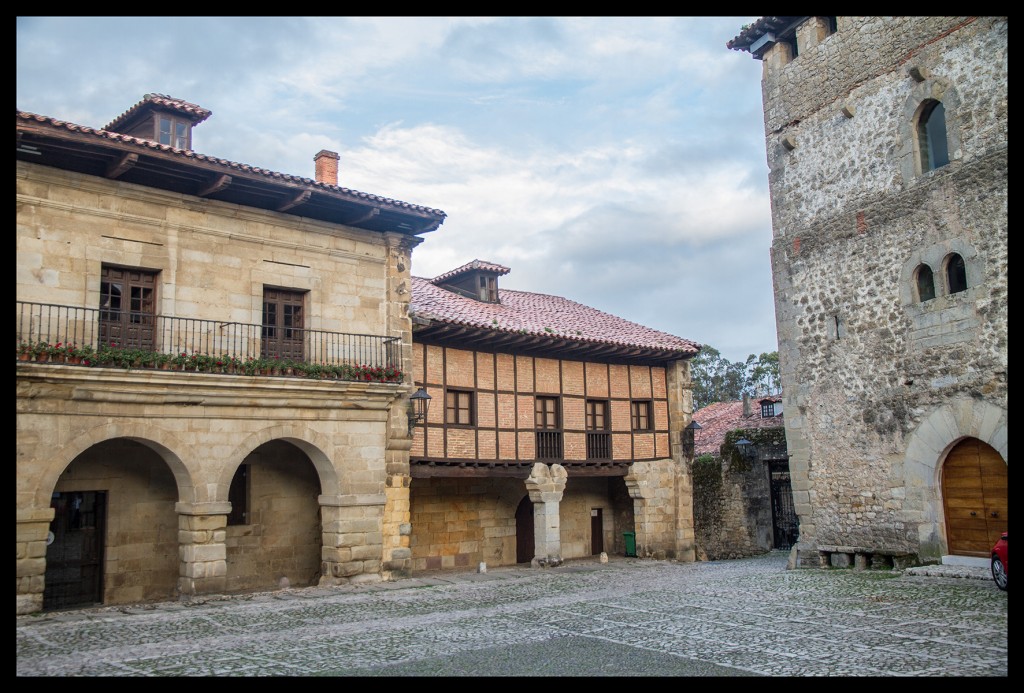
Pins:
x: 627, y: 617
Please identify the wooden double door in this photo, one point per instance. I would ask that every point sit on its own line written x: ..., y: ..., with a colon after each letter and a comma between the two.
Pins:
x: 974, y: 498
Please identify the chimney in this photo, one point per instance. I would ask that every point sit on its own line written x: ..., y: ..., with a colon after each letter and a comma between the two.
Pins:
x: 326, y: 167
x: 746, y: 405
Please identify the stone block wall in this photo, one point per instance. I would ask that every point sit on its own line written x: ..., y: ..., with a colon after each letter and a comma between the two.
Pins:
x: 864, y: 362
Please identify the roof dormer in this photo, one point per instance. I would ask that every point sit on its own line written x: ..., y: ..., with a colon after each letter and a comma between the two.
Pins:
x: 160, y: 118
x: 477, y: 279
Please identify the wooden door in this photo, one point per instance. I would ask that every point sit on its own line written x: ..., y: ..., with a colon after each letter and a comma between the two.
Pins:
x: 74, y: 555
x: 974, y: 486
x: 127, y: 308
x: 596, y: 531
x: 283, y: 333
x: 524, y: 531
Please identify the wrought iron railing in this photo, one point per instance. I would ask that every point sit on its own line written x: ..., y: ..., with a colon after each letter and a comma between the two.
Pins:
x: 96, y: 328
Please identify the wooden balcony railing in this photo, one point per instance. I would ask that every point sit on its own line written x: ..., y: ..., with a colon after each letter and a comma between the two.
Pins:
x: 549, y: 445
x: 599, y: 446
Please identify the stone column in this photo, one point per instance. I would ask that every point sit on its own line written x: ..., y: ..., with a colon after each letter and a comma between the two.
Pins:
x: 679, y: 383
x: 202, y: 533
x: 33, y: 526
x: 546, y: 484
x: 352, y: 538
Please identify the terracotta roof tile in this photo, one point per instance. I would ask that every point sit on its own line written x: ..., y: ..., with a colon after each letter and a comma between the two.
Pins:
x: 716, y: 420
x: 244, y: 168
x: 539, y: 314
x: 196, y: 114
x: 473, y: 266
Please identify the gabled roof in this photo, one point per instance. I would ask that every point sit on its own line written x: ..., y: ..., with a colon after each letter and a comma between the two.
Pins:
x: 536, y: 323
x: 474, y: 266
x: 716, y: 420
x: 51, y: 142
x: 194, y: 113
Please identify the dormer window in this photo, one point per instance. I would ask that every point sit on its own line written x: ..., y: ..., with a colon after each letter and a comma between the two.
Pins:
x: 489, y: 289
x: 174, y: 131
x: 770, y: 408
x: 477, y: 279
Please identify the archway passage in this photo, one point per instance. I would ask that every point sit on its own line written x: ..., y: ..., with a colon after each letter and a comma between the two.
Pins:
x: 524, y: 531
x: 75, y: 549
x: 974, y: 498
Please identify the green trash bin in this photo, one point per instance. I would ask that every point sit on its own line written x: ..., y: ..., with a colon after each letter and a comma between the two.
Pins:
x: 630, y: 538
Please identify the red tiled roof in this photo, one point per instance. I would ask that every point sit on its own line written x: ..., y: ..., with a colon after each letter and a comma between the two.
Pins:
x: 224, y: 163
x: 196, y: 114
x: 541, y: 315
x: 717, y: 419
x: 473, y: 266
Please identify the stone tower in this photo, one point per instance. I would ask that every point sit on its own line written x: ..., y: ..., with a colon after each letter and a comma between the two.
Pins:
x: 887, y: 153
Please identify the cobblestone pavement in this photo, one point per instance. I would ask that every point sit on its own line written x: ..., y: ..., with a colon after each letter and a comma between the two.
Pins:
x: 627, y: 617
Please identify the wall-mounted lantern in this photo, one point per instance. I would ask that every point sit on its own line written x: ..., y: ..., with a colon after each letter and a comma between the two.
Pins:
x: 748, y: 451
x: 419, y: 403
x: 690, y: 435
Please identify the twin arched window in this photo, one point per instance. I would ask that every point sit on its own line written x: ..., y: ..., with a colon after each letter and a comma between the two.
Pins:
x: 955, y: 276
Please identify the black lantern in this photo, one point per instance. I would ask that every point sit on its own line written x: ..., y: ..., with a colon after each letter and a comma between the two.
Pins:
x: 419, y: 403
x: 690, y: 435
x: 748, y: 450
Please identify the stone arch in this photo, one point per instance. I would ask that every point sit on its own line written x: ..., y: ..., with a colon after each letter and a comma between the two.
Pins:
x: 162, y: 442
x: 927, y: 447
x: 922, y: 96
x: 308, y: 441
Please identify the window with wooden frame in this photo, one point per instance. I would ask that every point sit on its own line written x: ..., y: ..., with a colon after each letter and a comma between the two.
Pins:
x: 488, y: 289
x: 283, y: 336
x: 767, y: 410
x: 598, y: 437
x: 173, y: 131
x: 548, y: 424
x: 640, y: 413
x: 459, y: 409
x: 127, y: 315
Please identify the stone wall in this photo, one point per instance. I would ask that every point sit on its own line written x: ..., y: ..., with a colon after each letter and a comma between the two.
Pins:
x: 323, y: 512
x: 865, y: 364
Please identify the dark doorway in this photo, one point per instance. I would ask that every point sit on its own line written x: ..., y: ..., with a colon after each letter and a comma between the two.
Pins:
x: 596, y: 531
x: 74, y: 556
x: 524, y: 531
x: 785, y: 524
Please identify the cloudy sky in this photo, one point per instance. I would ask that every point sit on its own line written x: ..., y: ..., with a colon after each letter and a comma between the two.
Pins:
x: 615, y: 161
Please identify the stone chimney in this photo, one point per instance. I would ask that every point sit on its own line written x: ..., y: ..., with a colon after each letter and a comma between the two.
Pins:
x: 326, y: 167
x: 746, y: 405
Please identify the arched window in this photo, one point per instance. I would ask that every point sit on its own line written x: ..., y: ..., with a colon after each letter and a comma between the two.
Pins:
x: 925, y: 283
x: 956, y: 274
x: 931, y: 136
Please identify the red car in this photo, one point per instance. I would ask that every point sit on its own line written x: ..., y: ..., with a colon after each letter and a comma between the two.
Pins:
x: 999, y: 562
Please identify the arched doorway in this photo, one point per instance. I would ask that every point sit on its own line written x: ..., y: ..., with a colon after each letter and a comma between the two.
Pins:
x: 974, y: 498
x: 524, y: 531
x: 114, y: 535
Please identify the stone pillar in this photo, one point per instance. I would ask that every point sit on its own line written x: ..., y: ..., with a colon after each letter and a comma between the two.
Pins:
x: 546, y: 484
x: 33, y: 527
x: 351, y: 544
x: 680, y: 413
x: 202, y: 533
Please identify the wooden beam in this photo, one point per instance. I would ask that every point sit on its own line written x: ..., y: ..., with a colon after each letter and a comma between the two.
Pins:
x: 121, y: 164
x: 216, y: 184
x: 365, y: 217
x: 296, y: 200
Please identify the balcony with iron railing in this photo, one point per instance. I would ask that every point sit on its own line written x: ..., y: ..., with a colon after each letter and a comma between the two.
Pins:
x: 98, y: 337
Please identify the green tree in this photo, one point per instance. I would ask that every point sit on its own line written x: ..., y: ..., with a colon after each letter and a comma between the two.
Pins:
x: 715, y: 379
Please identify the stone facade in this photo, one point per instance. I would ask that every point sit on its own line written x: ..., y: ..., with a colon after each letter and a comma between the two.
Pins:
x: 881, y: 381
x: 327, y: 483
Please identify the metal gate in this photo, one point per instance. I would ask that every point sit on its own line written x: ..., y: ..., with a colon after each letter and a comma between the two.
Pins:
x: 785, y: 524
x: 74, y: 555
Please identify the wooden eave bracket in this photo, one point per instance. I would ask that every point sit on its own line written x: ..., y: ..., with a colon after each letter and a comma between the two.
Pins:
x: 216, y: 184
x: 297, y: 200
x: 375, y: 211
x: 123, y: 163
